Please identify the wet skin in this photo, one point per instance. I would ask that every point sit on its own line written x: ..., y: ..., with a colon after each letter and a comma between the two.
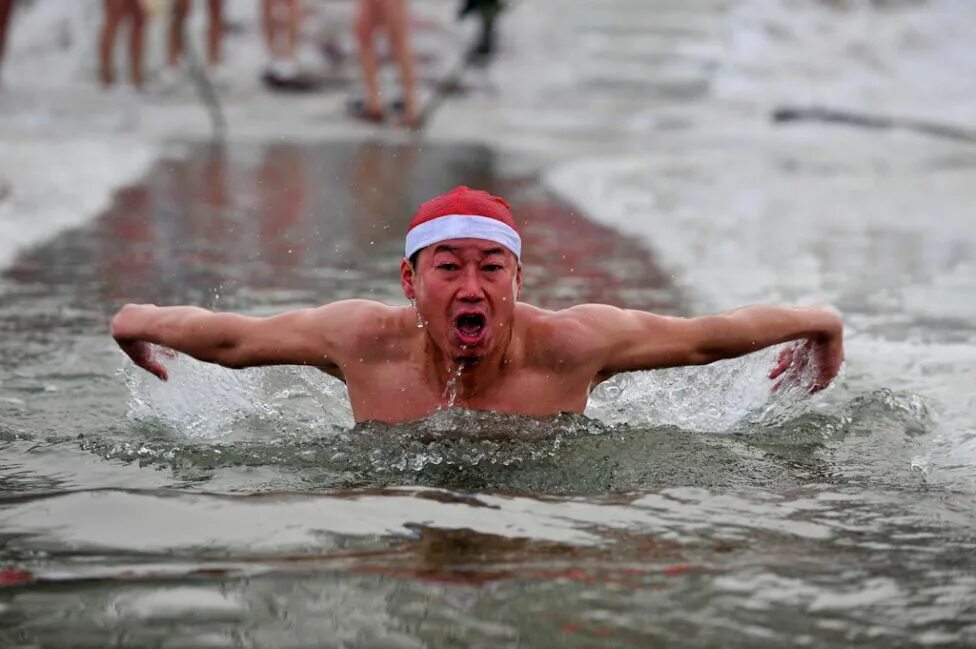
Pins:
x: 468, y: 342
x: 465, y: 292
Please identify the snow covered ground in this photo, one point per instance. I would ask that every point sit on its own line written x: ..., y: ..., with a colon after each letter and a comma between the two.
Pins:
x: 67, y: 144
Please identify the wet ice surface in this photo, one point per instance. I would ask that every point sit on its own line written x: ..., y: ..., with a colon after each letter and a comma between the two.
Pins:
x: 243, y: 508
x: 689, y: 509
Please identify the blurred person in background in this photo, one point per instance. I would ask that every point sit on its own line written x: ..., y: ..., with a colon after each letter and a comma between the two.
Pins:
x: 282, y: 27
x: 117, y: 12
x: 215, y: 32
x: 393, y: 16
x: 487, y: 11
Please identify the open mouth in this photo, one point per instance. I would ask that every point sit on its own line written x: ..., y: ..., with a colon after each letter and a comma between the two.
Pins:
x: 470, y: 328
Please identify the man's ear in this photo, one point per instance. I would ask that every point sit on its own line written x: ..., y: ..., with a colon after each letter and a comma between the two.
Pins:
x: 407, y: 277
x: 518, y: 281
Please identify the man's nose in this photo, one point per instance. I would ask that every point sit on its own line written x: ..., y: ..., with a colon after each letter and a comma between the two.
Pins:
x: 471, y: 289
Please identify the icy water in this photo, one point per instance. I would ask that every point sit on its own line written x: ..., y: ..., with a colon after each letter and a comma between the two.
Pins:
x: 688, y: 508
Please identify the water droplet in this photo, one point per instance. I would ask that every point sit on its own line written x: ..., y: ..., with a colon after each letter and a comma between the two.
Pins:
x: 451, y: 389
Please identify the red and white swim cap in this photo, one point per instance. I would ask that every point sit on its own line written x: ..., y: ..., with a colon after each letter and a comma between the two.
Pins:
x: 463, y: 213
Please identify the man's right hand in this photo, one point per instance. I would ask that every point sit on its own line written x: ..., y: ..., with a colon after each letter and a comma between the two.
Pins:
x: 143, y: 355
x: 312, y: 336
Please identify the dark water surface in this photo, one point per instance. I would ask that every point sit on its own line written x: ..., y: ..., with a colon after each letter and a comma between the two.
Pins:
x: 243, y: 509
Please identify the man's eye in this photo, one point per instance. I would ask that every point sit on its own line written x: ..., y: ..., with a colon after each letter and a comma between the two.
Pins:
x: 491, y: 267
x: 447, y: 266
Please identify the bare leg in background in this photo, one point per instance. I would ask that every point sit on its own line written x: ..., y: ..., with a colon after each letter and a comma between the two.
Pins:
x: 6, y: 10
x: 106, y: 42
x: 392, y: 15
x: 397, y: 21
x: 367, y: 21
x: 177, y: 18
x: 117, y: 12
x: 282, y: 28
x: 137, y: 30
x: 215, y: 31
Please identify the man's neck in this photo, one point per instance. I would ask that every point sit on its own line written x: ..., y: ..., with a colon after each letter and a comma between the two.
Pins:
x: 462, y: 379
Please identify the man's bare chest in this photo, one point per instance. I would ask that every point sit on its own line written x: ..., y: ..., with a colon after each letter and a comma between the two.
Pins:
x: 400, y: 392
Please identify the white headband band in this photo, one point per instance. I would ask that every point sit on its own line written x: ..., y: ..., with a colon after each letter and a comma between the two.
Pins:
x: 462, y: 226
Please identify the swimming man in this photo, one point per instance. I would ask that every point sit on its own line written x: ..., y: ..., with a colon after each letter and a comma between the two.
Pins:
x: 465, y: 339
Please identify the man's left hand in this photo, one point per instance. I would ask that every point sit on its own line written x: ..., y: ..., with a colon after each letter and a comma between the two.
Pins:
x: 827, y: 355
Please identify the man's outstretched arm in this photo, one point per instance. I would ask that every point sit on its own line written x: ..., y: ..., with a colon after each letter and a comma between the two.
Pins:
x: 301, y: 337
x: 636, y: 340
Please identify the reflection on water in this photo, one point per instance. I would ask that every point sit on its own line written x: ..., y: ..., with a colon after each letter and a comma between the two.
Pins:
x: 244, y: 509
x: 267, y: 227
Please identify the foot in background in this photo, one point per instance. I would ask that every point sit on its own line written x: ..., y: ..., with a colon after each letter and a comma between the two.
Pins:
x: 358, y: 109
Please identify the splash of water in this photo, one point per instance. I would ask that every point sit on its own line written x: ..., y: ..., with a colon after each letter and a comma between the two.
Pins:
x: 451, y: 387
x: 720, y: 397
x: 477, y: 450
x: 206, y: 401
x: 299, y: 421
x: 421, y: 323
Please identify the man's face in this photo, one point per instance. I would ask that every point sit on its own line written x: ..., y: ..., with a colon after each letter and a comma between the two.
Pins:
x: 465, y: 291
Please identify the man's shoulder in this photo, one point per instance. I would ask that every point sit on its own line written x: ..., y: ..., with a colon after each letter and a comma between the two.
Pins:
x: 368, y: 314
x: 358, y: 308
x: 357, y: 321
x: 535, y: 320
x: 571, y: 320
x: 564, y: 334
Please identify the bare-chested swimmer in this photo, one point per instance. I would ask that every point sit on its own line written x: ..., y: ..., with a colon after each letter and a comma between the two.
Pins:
x: 462, y: 274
